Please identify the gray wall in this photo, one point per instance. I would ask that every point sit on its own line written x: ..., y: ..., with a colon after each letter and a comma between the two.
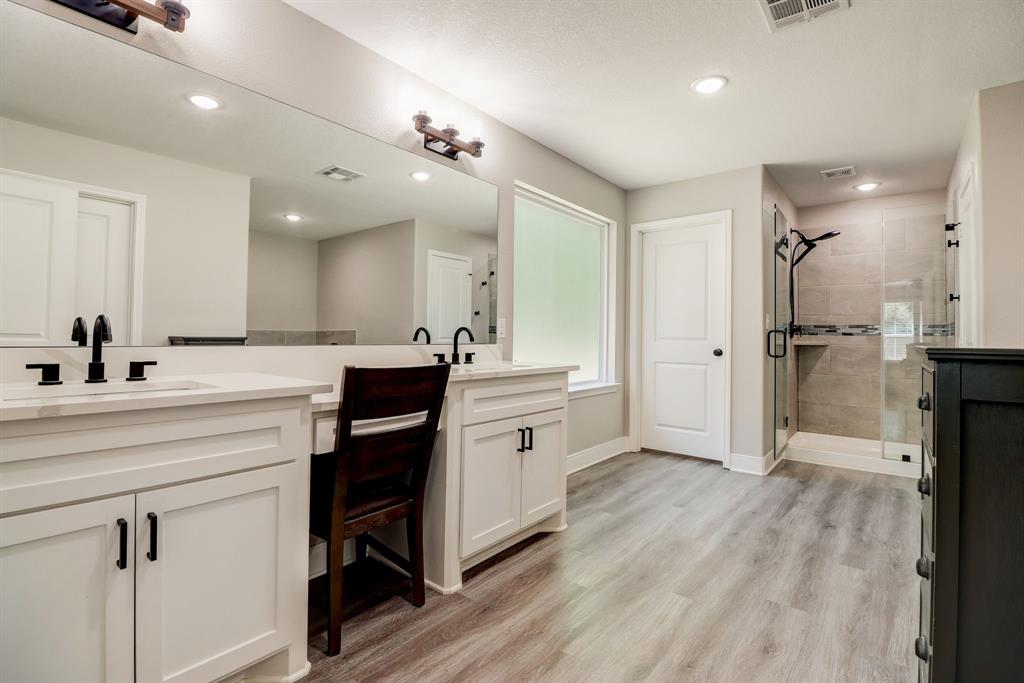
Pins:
x: 282, y: 282
x: 740, y: 191
x: 365, y: 283
x: 276, y: 50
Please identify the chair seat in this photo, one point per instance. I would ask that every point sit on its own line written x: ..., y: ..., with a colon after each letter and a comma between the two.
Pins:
x: 365, y: 502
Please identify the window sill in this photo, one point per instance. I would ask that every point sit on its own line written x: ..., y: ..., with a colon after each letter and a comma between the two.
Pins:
x: 592, y: 389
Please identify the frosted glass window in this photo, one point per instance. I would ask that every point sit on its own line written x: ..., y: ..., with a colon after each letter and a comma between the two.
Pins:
x: 560, y: 277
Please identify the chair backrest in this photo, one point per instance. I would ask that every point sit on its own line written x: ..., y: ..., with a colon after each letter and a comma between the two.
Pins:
x: 387, y: 422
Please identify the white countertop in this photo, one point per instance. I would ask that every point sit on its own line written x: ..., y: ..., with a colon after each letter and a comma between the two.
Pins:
x: 32, y: 402
x: 460, y: 373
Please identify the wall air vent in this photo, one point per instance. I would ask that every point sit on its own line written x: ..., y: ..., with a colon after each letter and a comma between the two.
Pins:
x: 843, y: 172
x: 339, y: 173
x: 782, y: 14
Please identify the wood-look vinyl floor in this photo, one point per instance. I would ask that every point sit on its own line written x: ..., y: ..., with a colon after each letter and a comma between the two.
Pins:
x: 674, y: 569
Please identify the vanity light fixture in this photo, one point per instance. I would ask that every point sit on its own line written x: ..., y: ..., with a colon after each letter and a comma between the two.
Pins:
x: 205, y: 101
x: 420, y: 176
x: 125, y: 14
x: 445, y: 142
x: 293, y: 217
x: 709, y: 84
x: 866, y: 187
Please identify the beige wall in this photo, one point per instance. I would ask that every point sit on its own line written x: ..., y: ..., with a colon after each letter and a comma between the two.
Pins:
x: 196, y: 231
x: 282, y: 282
x: 365, y: 283
x: 739, y: 191
x: 992, y: 152
x: 276, y: 50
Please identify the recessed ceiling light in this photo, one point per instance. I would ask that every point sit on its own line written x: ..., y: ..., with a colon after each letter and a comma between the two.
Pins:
x: 709, y: 84
x: 205, y: 101
x: 420, y: 176
x: 866, y: 187
x: 293, y: 217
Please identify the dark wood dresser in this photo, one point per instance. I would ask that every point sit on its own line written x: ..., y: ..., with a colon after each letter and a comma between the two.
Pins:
x: 972, y: 530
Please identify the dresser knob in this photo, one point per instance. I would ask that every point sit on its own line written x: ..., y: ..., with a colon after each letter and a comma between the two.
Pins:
x: 924, y: 486
x: 924, y: 402
x: 921, y: 648
x: 924, y: 569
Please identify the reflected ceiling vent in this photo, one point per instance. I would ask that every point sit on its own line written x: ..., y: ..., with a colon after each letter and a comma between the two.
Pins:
x: 782, y: 14
x: 843, y: 172
x: 344, y: 175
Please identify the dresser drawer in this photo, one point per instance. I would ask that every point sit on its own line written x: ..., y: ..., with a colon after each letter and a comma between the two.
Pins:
x: 926, y: 487
x: 926, y: 404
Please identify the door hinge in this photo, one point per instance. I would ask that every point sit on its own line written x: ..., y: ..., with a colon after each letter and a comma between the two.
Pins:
x: 952, y: 243
x: 954, y: 297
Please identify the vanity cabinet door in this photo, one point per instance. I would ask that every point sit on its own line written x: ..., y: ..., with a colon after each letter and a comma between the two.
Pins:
x: 216, y: 563
x: 543, y: 466
x: 491, y: 483
x: 66, y: 598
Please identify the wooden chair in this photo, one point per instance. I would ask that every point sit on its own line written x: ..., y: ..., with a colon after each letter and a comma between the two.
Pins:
x: 378, y: 474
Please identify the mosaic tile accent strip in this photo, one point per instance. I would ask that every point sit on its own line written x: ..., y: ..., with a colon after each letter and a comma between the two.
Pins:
x: 927, y: 330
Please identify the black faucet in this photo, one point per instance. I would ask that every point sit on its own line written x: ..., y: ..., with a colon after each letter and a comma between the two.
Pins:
x: 416, y: 334
x: 78, y: 333
x: 455, y: 347
x: 100, y: 333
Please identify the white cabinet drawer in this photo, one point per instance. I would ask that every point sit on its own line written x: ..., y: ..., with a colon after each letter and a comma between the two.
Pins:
x: 483, y: 404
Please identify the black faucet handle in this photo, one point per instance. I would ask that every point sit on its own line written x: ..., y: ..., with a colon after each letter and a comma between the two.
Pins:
x: 469, y: 357
x: 51, y: 373
x: 440, y: 358
x: 137, y: 370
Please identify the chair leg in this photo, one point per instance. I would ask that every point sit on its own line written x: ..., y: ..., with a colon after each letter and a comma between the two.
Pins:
x: 361, y: 547
x: 335, y: 574
x: 414, y: 533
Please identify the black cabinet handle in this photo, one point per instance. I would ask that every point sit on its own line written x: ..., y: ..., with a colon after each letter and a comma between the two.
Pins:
x: 522, y: 440
x: 924, y: 568
x: 151, y: 555
x: 529, y: 431
x: 924, y: 486
x: 921, y: 648
x: 924, y: 402
x: 122, y: 543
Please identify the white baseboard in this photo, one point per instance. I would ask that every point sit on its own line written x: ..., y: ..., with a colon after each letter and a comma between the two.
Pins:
x: 595, y: 454
x: 752, y: 464
x: 829, y: 450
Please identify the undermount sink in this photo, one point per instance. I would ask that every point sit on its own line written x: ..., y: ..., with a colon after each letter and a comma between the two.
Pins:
x: 81, y: 389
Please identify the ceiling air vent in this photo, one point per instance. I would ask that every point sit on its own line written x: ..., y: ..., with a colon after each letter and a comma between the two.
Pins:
x: 844, y: 172
x: 781, y: 14
x: 339, y: 173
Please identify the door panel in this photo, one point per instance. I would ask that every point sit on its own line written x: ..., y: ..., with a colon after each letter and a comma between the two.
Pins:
x: 449, y: 294
x: 492, y: 473
x: 544, y: 466
x: 223, y: 552
x: 683, y: 313
x: 66, y: 610
x: 37, y: 261
x: 104, y: 262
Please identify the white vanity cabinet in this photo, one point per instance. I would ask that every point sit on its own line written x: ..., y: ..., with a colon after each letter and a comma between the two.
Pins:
x: 163, y: 544
x: 513, y: 475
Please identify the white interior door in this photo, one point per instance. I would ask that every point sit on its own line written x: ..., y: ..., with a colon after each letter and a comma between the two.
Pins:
x: 66, y: 609
x: 104, y: 264
x: 683, y: 326
x: 449, y: 294
x: 222, y: 552
x: 37, y: 260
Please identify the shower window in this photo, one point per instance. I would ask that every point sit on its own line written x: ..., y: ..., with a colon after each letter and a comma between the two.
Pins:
x: 897, y: 329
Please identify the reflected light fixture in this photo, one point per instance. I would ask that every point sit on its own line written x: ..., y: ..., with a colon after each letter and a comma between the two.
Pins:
x: 866, y: 187
x: 709, y: 84
x: 205, y: 101
x: 293, y: 217
x: 420, y: 176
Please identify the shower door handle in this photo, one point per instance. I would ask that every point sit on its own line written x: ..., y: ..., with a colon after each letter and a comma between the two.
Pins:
x: 768, y: 344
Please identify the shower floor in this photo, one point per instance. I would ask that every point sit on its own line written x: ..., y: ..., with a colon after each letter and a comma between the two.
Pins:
x: 852, y: 453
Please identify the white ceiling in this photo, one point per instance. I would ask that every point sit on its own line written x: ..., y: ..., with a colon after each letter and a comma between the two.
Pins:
x: 885, y: 85
x: 86, y: 84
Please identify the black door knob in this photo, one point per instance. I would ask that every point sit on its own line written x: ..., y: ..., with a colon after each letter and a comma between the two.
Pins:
x: 717, y: 352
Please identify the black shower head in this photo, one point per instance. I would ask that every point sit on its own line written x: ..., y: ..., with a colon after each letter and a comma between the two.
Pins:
x: 809, y: 243
x: 827, y: 236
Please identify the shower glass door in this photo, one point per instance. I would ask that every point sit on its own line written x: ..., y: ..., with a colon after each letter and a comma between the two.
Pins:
x: 914, y: 316
x: 778, y: 227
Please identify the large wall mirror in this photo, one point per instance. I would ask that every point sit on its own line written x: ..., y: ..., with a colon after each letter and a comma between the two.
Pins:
x: 250, y: 220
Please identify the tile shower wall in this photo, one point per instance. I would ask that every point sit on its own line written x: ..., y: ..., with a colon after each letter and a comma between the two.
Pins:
x: 840, y: 386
